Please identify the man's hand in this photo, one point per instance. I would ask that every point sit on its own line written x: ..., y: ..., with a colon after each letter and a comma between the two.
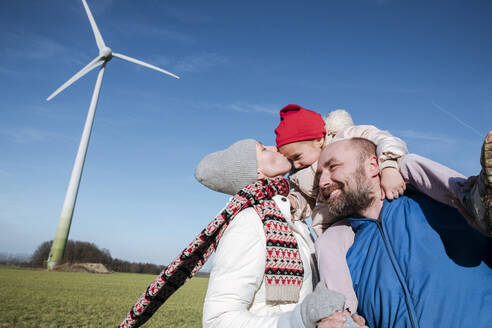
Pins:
x: 359, y: 320
x: 339, y: 320
x: 336, y: 320
x: 392, y: 183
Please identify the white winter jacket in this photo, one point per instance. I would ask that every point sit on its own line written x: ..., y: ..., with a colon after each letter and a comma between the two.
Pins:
x: 236, y: 289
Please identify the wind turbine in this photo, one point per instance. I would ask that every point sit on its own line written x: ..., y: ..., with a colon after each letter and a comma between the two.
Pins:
x: 105, y: 55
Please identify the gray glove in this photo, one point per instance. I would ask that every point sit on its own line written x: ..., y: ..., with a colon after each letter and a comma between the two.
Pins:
x: 321, y: 303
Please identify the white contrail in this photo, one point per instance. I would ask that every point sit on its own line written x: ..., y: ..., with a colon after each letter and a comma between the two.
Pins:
x: 458, y: 120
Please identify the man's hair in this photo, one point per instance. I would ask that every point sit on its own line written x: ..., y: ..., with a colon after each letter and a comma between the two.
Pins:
x: 366, y: 148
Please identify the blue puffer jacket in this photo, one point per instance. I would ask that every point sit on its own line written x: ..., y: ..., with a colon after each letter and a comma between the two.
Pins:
x: 421, y: 265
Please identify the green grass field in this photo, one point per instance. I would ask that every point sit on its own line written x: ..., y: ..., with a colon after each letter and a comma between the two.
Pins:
x: 37, y: 298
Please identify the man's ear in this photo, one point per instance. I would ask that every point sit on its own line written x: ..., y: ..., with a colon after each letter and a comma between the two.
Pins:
x: 372, y: 166
x: 260, y: 175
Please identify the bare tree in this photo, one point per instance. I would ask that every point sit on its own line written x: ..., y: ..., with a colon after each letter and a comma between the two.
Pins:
x: 83, y: 252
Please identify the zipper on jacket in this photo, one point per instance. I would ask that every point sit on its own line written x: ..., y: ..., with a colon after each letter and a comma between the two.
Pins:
x: 396, y: 267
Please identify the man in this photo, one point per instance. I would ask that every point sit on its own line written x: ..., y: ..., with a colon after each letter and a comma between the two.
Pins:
x: 414, y: 262
x: 263, y: 273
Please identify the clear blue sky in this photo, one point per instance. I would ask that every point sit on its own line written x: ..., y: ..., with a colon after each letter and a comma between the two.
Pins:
x: 420, y: 69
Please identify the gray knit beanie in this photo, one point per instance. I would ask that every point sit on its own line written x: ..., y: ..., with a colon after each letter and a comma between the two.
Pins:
x: 229, y: 170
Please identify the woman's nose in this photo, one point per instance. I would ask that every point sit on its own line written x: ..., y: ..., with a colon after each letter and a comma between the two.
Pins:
x: 271, y: 148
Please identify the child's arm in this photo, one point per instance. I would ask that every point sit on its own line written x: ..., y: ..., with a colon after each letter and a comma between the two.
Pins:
x: 389, y: 147
x: 433, y: 179
x: 301, y: 205
x: 440, y: 183
x: 389, y: 150
x: 303, y: 192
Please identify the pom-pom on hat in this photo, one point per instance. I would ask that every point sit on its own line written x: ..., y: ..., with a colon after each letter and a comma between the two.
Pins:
x: 229, y: 170
x: 299, y: 124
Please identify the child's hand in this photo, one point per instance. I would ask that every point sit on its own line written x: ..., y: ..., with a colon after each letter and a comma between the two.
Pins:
x: 392, y: 183
x: 293, y: 202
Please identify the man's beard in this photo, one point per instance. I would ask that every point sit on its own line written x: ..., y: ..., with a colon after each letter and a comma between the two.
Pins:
x: 355, y: 196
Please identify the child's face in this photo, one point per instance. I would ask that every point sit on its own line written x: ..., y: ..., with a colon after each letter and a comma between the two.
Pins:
x: 302, y: 153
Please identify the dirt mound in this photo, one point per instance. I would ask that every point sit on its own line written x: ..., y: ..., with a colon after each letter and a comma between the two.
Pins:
x: 82, y: 267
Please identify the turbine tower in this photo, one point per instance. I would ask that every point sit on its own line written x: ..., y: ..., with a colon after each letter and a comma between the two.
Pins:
x: 105, y: 55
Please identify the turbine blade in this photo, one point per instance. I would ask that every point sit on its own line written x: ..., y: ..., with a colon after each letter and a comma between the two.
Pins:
x: 136, y: 61
x: 93, y: 64
x: 97, y: 34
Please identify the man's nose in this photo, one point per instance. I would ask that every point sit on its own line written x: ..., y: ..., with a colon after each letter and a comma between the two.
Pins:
x: 324, y: 179
x: 271, y: 148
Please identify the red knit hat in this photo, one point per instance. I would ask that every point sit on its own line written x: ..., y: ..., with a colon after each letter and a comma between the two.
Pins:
x: 299, y: 124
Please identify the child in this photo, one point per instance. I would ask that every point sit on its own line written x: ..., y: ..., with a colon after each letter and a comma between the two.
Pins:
x: 301, y: 136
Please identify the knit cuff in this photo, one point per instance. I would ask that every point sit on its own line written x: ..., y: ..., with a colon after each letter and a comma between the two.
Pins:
x: 388, y: 163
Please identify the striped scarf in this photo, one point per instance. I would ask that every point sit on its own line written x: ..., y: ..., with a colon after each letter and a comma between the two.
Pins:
x: 283, y: 268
